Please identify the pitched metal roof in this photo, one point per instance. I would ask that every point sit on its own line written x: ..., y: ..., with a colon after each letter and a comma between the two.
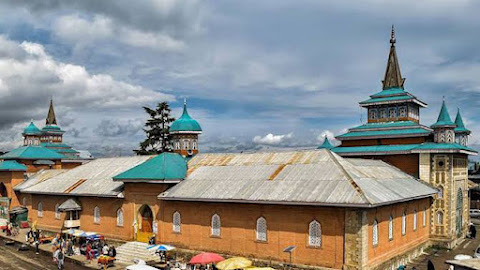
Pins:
x: 37, y: 177
x: 32, y: 152
x: 164, y: 167
x: 91, y: 179
x: 386, y: 133
x: 70, y: 205
x: 317, y: 177
x: 460, y: 125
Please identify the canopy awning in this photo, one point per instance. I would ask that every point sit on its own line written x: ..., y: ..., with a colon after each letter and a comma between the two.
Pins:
x: 18, y: 210
x: 69, y: 205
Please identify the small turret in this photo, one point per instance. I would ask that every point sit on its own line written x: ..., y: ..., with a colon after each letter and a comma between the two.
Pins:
x: 461, y: 132
x: 326, y: 144
x: 31, y: 135
x: 443, y: 129
x: 184, y: 132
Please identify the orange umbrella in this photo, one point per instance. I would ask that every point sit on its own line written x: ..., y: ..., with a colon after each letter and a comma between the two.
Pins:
x: 206, y: 258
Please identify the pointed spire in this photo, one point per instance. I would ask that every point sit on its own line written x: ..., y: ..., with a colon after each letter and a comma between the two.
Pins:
x: 326, y: 144
x: 185, y: 112
x: 51, y: 119
x: 443, y: 117
x: 393, y: 77
x: 459, y: 122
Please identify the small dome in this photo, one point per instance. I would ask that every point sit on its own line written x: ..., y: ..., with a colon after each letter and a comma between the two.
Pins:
x: 185, y: 122
x: 31, y: 130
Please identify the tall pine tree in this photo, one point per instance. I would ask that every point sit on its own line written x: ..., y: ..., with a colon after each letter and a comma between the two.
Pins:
x: 158, y: 137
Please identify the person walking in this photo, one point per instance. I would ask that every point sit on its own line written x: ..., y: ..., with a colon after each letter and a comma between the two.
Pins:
x: 60, y: 258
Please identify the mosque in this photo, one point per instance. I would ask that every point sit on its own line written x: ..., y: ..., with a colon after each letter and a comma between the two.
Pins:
x: 392, y: 188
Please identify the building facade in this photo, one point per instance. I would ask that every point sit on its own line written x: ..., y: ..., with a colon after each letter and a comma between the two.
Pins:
x: 392, y: 188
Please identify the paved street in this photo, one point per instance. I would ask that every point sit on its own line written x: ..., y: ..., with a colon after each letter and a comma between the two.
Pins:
x: 10, y: 258
x: 439, y: 256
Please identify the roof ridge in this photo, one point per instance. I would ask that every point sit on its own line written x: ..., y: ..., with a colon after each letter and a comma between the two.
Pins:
x: 349, y: 177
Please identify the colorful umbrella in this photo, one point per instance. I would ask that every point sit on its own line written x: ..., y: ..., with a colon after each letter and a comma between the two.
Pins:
x: 161, y: 247
x: 234, y: 263
x: 206, y: 258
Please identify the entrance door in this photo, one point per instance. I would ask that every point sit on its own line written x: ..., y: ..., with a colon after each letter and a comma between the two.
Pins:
x: 4, y: 202
x: 145, y: 224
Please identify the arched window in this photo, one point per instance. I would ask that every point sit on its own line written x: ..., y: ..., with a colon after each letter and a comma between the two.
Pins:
x: 216, y: 225
x: 414, y: 220
x: 119, y: 217
x: 177, y: 222
x: 25, y: 201
x: 57, y: 212
x: 96, y: 215
x: 424, y: 217
x: 40, y: 210
x: 404, y: 223
x: 314, y: 234
x: 390, y: 228
x: 261, y: 229
x: 439, y: 218
x: 375, y: 233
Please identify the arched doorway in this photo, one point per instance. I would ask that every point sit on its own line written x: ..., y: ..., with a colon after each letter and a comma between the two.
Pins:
x: 3, y: 190
x: 459, y: 211
x: 145, y: 221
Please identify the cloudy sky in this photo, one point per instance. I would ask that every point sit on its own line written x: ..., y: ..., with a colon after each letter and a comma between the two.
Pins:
x: 256, y: 73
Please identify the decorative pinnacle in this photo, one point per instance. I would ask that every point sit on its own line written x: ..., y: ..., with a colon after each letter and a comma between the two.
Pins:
x: 392, y: 37
x: 184, y: 101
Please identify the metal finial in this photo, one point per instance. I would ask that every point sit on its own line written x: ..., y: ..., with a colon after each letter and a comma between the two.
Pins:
x: 443, y: 98
x: 184, y: 101
x: 392, y: 37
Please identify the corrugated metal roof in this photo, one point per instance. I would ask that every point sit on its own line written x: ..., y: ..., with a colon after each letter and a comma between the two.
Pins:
x: 97, y: 176
x: 317, y: 177
x: 37, y: 177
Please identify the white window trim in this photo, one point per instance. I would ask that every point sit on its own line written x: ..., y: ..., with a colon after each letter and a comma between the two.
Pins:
x: 216, y: 228
x: 57, y: 213
x: 424, y: 217
x: 261, y: 229
x: 315, y: 227
x: 40, y: 210
x: 414, y: 220
x: 390, y: 228
x: 375, y: 232
x: 176, y: 222
x: 404, y: 223
x: 120, y: 217
x: 96, y: 215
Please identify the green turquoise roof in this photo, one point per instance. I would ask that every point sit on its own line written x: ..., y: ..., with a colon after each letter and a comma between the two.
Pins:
x: 166, y: 166
x: 459, y: 122
x: 403, y: 147
x: 405, y: 131
x: 32, y: 130
x: 383, y: 99
x: 32, y: 152
x: 386, y: 125
x: 443, y: 117
x: 185, y: 122
x: 389, y: 92
x: 55, y: 145
x: 52, y: 128
x: 326, y: 144
x: 12, y: 165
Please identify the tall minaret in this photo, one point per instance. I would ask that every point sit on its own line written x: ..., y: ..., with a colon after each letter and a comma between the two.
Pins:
x: 51, y: 133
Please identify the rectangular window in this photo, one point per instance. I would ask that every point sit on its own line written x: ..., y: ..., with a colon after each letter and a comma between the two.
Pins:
x: 392, y: 113
x: 383, y: 113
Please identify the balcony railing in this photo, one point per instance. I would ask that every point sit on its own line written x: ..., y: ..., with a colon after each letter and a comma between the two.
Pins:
x: 71, y: 223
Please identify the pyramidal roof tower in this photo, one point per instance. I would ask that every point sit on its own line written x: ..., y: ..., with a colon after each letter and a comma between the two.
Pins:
x: 51, y: 119
x: 393, y: 76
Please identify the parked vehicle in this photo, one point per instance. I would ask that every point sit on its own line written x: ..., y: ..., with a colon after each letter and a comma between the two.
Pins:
x: 475, y: 213
x: 477, y: 252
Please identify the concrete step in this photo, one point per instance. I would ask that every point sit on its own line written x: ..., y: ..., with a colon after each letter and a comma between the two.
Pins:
x: 127, y: 252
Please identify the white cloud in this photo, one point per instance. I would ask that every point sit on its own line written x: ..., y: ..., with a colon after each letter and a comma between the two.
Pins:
x: 271, y: 139
x: 101, y: 28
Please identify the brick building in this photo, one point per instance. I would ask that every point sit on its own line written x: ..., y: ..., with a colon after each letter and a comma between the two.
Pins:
x: 392, y: 188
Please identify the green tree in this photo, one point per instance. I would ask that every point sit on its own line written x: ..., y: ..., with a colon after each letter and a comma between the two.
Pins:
x: 158, y: 136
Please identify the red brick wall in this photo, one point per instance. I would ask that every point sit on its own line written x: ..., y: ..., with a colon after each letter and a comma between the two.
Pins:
x: 387, y: 248
x: 287, y: 225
